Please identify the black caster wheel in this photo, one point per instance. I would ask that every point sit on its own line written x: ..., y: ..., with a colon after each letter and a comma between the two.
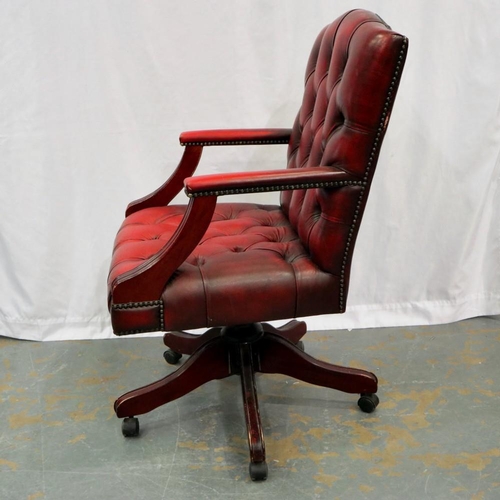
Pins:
x: 130, y: 427
x: 368, y: 402
x: 172, y: 357
x: 258, y: 471
x: 300, y: 345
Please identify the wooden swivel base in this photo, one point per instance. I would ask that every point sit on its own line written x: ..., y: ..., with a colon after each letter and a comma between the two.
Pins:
x: 243, y: 350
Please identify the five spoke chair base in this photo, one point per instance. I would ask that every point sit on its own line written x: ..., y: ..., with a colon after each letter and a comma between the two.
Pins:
x: 242, y: 350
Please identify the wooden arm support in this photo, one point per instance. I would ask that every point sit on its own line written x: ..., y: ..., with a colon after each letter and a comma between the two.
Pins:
x: 166, y: 193
x: 194, y: 142
x: 147, y: 281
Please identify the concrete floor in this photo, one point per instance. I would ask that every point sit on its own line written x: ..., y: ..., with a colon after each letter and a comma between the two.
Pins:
x: 436, y: 433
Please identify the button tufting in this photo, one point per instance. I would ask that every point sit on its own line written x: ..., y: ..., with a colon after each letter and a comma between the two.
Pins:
x: 327, y: 101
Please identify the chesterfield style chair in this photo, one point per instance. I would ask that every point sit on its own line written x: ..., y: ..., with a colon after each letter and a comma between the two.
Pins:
x: 232, y: 266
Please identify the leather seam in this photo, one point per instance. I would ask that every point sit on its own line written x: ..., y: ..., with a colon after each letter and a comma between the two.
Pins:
x: 207, y: 297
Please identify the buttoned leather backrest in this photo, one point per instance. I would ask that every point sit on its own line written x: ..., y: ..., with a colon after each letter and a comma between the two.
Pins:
x: 350, y: 84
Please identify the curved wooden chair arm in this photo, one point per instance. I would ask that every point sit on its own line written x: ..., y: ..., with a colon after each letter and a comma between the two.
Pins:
x: 194, y: 141
x: 147, y: 281
x: 175, y: 183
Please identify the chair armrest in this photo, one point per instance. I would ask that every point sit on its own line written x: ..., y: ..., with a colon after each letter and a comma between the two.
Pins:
x: 147, y: 281
x: 167, y: 192
x: 268, y: 180
x: 235, y: 137
x: 194, y: 142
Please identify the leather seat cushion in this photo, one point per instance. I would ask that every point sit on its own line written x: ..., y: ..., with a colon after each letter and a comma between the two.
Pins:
x: 249, y: 266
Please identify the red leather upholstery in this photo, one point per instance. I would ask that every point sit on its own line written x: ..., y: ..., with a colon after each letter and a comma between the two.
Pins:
x: 257, y: 263
x: 249, y: 266
x: 342, y: 121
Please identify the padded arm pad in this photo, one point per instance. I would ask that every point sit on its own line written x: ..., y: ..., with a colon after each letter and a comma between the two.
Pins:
x: 268, y: 180
x: 235, y: 137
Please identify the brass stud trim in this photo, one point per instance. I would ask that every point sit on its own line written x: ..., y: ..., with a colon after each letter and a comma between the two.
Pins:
x: 137, y: 305
x: 249, y: 142
x: 261, y: 189
x: 374, y: 151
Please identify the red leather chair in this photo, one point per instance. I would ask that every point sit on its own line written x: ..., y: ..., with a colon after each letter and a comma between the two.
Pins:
x: 232, y: 266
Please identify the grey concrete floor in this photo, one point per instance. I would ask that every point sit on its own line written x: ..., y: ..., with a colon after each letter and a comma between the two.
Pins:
x: 435, y: 434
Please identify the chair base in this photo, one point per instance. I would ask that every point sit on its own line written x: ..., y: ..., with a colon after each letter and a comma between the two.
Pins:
x: 243, y: 350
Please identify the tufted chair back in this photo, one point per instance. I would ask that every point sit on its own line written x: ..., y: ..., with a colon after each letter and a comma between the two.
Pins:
x: 341, y: 123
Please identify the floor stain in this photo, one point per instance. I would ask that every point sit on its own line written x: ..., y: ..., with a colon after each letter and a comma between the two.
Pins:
x: 22, y: 419
x: 52, y: 401
x: 296, y: 446
x: 97, y: 380
x: 473, y: 461
x: 77, y: 439
x: 424, y: 399
x: 80, y: 415
x: 364, y: 488
x: 5, y: 383
x: 232, y: 449
x: 478, y: 496
x: 7, y: 463
x: 361, y: 433
x: 282, y: 449
x: 469, y: 356
x: 397, y: 441
x: 326, y: 479
x: 217, y: 468
x: 318, y: 432
x: 192, y: 445
x: 36, y: 495
x: 296, y: 418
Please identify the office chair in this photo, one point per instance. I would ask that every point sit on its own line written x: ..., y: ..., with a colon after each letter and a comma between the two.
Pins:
x: 231, y: 267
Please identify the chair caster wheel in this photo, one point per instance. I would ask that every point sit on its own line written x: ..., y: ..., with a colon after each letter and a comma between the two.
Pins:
x: 258, y: 471
x: 300, y: 345
x: 130, y: 427
x: 368, y: 402
x: 172, y: 357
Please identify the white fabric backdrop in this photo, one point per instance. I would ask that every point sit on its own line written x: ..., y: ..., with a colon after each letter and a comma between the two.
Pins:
x: 94, y: 94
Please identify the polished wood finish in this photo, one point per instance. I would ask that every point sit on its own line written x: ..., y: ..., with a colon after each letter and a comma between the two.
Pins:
x: 167, y: 192
x: 243, y: 350
x: 188, y: 343
x: 147, y: 281
x: 277, y: 355
x: 251, y: 406
x: 293, y: 331
x: 208, y: 363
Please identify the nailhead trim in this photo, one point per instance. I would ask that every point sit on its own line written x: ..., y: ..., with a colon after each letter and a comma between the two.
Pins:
x: 263, y: 189
x: 249, y: 142
x: 363, y: 183
x: 133, y: 305
x: 136, y: 305
x: 367, y: 172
